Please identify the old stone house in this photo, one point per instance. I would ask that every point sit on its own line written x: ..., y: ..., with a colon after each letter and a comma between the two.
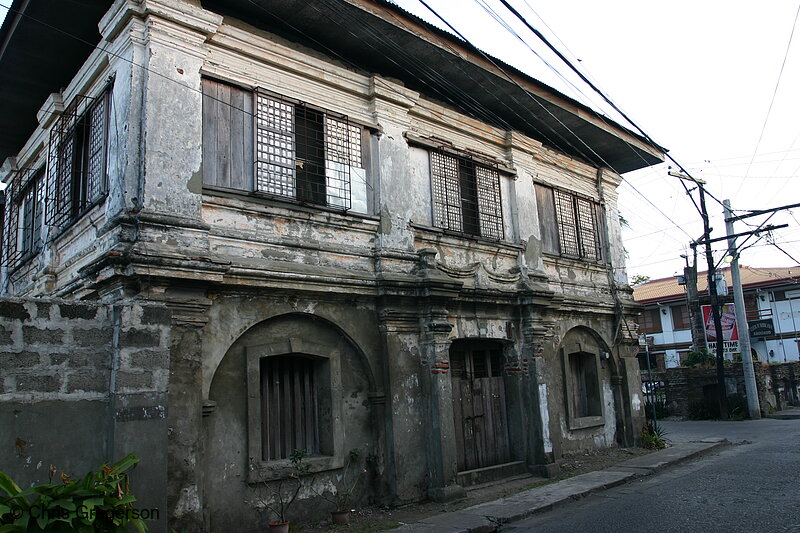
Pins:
x: 368, y: 234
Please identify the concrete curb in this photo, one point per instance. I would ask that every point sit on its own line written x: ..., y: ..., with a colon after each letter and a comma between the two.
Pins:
x: 487, y: 517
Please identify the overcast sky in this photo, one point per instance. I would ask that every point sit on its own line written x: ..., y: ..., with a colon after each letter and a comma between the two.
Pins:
x: 698, y: 77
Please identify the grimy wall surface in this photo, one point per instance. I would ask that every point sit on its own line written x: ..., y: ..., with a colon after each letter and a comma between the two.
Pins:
x: 82, y: 384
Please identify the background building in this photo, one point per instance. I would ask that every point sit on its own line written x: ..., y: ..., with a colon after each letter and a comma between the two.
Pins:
x: 772, y: 303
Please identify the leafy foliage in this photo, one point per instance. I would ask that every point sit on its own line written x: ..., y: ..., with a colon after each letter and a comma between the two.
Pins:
x: 699, y: 358
x: 638, y: 279
x: 653, y: 436
x: 285, y: 490
x: 100, y: 502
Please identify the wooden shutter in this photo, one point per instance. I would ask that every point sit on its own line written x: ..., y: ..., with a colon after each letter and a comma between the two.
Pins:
x: 547, y: 218
x: 227, y: 136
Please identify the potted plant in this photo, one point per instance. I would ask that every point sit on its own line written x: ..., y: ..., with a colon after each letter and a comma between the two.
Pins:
x: 283, y: 493
x: 348, y: 484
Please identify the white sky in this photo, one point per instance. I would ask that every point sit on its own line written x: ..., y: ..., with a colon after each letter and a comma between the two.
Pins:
x: 698, y: 76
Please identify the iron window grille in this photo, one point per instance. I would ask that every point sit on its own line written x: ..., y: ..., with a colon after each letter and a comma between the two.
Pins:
x: 77, y: 159
x: 22, y: 231
x: 579, y: 226
x: 466, y: 196
x: 304, y: 153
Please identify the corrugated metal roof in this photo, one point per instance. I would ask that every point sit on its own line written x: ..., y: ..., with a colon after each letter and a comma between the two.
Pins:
x: 752, y: 277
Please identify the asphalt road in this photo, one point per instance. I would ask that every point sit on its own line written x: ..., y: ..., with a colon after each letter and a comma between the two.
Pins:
x: 753, y: 485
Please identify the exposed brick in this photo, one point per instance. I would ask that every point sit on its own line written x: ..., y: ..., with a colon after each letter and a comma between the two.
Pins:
x: 150, y: 358
x: 10, y: 360
x: 5, y: 336
x: 140, y: 338
x: 14, y: 310
x: 38, y: 383
x: 91, y: 358
x: 156, y: 315
x: 33, y: 335
x: 92, y: 337
x: 77, y: 311
x: 43, y: 310
x: 89, y: 381
x: 131, y: 380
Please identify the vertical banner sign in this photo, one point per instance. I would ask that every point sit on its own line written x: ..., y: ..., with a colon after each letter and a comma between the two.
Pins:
x: 730, y: 331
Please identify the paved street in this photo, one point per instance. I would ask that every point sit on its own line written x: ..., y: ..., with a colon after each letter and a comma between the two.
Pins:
x: 751, y: 485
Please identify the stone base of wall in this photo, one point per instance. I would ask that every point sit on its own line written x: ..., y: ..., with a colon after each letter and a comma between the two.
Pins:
x: 85, y: 384
x: 688, y: 387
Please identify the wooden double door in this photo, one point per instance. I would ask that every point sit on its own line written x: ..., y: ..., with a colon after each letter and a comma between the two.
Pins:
x: 479, y: 405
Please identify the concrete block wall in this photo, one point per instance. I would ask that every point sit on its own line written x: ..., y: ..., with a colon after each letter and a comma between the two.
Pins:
x: 82, y: 384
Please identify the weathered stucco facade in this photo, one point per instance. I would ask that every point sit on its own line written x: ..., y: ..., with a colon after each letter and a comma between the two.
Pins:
x: 424, y: 338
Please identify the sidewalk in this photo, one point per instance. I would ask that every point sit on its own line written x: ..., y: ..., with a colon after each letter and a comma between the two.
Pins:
x: 486, y: 517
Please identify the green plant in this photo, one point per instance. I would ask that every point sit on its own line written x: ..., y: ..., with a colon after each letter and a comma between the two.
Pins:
x: 342, y: 496
x: 284, y: 491
x: 100, y: 502
x: 699, y: 357
x: 653, y: 436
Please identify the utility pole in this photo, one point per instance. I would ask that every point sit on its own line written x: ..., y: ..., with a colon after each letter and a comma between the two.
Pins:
x: 722, y: 395
x: 712, y: 291
x: 744, y: 333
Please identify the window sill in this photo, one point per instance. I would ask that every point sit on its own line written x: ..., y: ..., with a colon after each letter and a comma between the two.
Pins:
x: 286, y: 203
x: 586, y: 422
x: 282, y: 468
x: 558, y: 257
x: 466, y: 236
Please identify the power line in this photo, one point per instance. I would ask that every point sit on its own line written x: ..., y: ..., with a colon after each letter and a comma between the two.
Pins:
x: 772, y: 101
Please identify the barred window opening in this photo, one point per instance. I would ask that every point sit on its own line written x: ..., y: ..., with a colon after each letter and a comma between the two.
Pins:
x: 295, y: 151
x: 22, y: 231
x: 77, y: 159
x: 290, y: 406
x: 571, y: 225
x: 466, y: 196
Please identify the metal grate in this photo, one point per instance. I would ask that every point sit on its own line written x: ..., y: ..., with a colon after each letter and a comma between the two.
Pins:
x: 304, y: 153
x: 466, y: 196
x: 77, y: 159
x: 446, y: 192
x: 567, y: 227
x: 587, y: 229
x: 22, y: 231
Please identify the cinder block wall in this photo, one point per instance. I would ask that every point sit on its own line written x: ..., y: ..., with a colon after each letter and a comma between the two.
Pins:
x: 82, y: 384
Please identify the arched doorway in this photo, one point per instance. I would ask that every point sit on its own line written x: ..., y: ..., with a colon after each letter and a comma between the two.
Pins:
x: 480, y: 412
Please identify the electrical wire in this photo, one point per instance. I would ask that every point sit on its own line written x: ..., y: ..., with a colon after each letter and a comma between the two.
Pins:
x: 772, y: 101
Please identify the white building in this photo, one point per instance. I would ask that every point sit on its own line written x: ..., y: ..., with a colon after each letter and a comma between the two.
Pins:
x: 772, y: 296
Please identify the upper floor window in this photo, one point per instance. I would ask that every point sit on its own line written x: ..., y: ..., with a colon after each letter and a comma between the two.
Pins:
x: 22, y: 231
x: 77, y: 159
x: 680, y: 317
x: 650, y: 321
x: 466, y: 196
x: 255, y: 141
x: 571, y: 224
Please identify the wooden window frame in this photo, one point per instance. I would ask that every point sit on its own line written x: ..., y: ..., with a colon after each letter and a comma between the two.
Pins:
x: 328, y: 379
x: 578, y: 390
x: 282, y: 148
x: 466, y: 196
x: 657, y: 326
x: 683, y: 314
x: 572, y: 225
